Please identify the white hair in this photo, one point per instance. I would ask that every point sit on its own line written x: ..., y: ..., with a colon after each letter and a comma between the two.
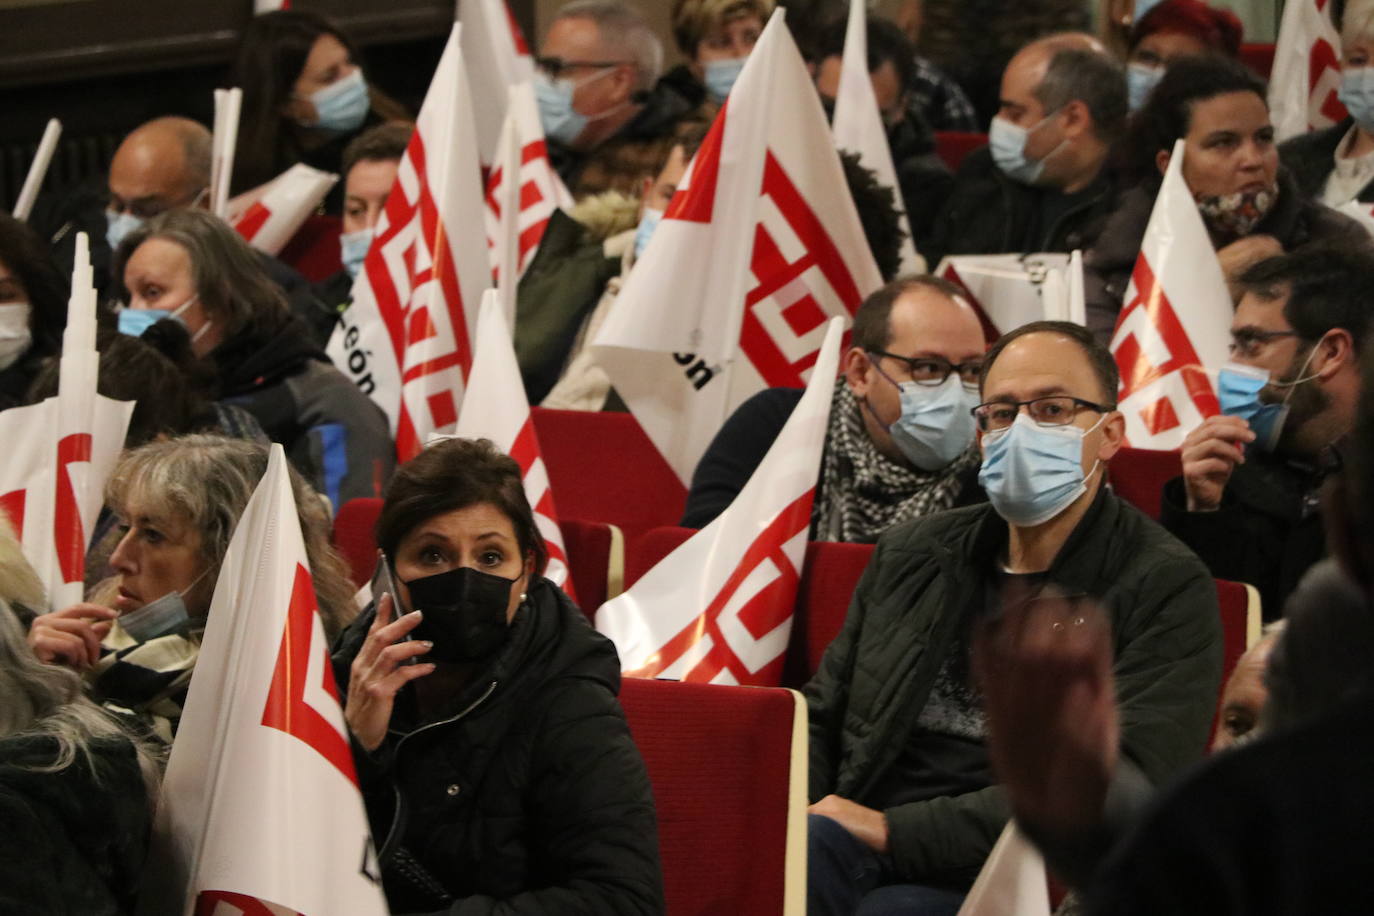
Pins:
x: 622, y: 28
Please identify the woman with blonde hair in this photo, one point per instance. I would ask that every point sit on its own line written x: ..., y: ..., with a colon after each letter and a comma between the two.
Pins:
x: 716, y: 37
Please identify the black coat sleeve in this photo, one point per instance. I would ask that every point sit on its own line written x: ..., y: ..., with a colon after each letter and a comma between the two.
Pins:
x: 736, y: 452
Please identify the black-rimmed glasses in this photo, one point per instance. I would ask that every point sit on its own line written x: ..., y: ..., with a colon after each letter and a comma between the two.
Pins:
x: 933, y: 370
x: 1054, y: 410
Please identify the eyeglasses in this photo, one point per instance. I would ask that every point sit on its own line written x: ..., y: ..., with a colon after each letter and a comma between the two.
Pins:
x: 1055, y: 410
x: 147, y: 208
x: 933, y: 370
x: 556, y: 67
x: 1248, y: 341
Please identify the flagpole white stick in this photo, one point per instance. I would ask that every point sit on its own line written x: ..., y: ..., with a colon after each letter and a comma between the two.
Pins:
x: 38, y: 169
x: 228, y: 102
x: 508, y: 270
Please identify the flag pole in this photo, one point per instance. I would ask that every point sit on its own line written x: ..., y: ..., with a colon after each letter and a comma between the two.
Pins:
x: 228, y: 102
x: 38, y: 169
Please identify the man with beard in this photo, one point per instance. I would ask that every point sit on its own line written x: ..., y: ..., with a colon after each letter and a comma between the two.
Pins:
x: 1247, y: 501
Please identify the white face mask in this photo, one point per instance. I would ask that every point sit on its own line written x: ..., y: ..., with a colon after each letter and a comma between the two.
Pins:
x: 15, y: 336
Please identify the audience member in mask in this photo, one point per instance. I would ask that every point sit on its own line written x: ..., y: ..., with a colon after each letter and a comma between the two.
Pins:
x: 608, y: 120
x: 715, y: 37
x: 190, y: 266
x: 1335, y: 165
x: 903, y: 791
x: 1247, y: 501
x: 474, y: 680
x: 137, y: 635
x: 900, y: 441
x: 1174, y: 29
x: 304, y: 97
x: 370, y: 163
x: 922, y: 175
x: 1041, y: 183
x: 1250, y: 204
x: 33, y: 309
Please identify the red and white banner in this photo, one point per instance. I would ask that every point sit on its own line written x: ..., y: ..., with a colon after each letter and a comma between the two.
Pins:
x: 1307, y: 70
x: 497, y: 58
x: 260, y: 810
x: 407, y: 338
x: 858, y: 125
x: 760, y: 246
x: 1175, y: 322
x: 518, y: 211
x: 61, y: 451
x: 496, y: 408
x: 719, y: 608
x: 268, y: 216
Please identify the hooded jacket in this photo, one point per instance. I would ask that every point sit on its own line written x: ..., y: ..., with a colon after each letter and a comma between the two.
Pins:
x: 531, y: 798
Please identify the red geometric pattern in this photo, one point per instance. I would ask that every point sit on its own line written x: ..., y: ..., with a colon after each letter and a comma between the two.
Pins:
x: 207, y: 904
x: 253, y: 219
x: 525, y: 451
x: 69, y: 536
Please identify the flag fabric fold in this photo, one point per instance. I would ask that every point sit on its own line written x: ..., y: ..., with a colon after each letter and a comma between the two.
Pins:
x: 495, y: 408
x: 497, y: 58
x: 267, y: 217
x: 1306, y: 77
x: 1175, y: 322
x: 759, y: 247
x: 719, y: 608
x: 1012, y: 881
x: 406, y: 340
x: 260, y: 810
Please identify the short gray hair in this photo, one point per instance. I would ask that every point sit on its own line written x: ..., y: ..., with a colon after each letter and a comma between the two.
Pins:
x: 1090, y: 77
x: 624, y: 28
x: 229, y: 277
x: 1356, y: 21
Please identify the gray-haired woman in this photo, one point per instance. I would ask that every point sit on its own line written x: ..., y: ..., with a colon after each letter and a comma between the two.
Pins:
x: 190, y: 266
x: 178, y: 501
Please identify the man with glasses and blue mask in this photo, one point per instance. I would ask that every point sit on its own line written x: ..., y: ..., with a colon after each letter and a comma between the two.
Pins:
x: 905, y: 804
x: 1247, y: 501
x: 1040, y: 184
x: 603, y: 115
x: 900, y: 440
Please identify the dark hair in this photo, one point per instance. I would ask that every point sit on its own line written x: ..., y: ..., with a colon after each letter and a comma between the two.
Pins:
x: 1090, y: 77
x: 887, y: 43
x: 1220, y: 30
x: 377, y: 144
x: 877, y: 214
x: 271, y: 55
x: 454, y: 474
x: 1168, y: 112
x: 1327, y: 285
x: 1099, y: 357
x: 873, y: 320
x: 22, y: 251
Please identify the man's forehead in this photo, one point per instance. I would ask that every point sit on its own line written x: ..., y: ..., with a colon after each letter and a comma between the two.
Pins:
x: 573, y: 37
x: 1042, y: 363
x: 1255, y: 311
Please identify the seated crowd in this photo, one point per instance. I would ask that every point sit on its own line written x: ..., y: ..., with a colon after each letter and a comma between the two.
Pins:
x: 1023, y: 643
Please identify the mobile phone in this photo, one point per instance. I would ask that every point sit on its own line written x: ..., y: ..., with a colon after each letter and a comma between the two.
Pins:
x: 384, y: 584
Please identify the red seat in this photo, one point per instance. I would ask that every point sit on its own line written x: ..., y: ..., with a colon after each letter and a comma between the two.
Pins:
x: 314, y: 249
x: 953, y: 145
x: 354, y: 538
x: 1138, y: 476
x: 1240, y: 629
x: 728, y: 769
x: 827, y: 585
x: 1258, y: 57
x: 603, y: 468
x: 650, y: 547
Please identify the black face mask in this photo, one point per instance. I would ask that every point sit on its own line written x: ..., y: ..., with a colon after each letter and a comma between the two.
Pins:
x: 464, y: 613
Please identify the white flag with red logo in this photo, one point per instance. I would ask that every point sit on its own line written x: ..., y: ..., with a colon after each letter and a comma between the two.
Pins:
x: 1307, y: 70
x: 719, y: 608
x: 496, y: 408
x: 1011, y: 882
x: 760, y: 246
x: 268, y: 216
x: 61, y: 451
x: 518, y: 211
x: 497, y: 58
x: 260, y: 810
x: 1175, y: 322
x: 858, y: 125
x: 407, y: 338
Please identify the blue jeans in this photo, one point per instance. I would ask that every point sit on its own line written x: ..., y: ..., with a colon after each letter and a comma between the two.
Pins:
x: 846, y: 878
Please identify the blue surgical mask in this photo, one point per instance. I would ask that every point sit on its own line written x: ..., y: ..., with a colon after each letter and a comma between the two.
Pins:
x: 119, y: 225
x: 1238, y: 392
x: 1142, y: 7
x: 1007, y: 143
x: 342, y: 106
x: 720, y: 75
x: 1357, y: 94
x: 560, y: 120
x: 1141, y: 79
x: 353, y: 249
x: 1031, y: 472
x: 647, y: 224
x: 936, y: 425
x: 162, y: 617
x: 135, y: 322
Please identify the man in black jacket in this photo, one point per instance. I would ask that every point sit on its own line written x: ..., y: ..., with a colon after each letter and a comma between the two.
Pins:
x: 1040, y: 184
x: 1247, y: 501
x: 905, y: 806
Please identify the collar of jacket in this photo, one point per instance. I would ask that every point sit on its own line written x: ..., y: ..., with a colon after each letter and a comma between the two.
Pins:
x: 254, y: 357
x: 1020, y: 199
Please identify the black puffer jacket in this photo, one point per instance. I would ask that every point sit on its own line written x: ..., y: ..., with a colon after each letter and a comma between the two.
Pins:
x: 533, y: 798
x: 72, y: 843
x: 1310, y: 157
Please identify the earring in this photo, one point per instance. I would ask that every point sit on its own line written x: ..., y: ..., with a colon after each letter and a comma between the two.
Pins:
x: 523, y: 596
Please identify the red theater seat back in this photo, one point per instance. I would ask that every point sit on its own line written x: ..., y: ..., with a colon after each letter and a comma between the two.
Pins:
x: 827, y: 586
x: 1138, y: 476
x: 952, y: 146
x: 314, y: 249
x: 1240, y: 629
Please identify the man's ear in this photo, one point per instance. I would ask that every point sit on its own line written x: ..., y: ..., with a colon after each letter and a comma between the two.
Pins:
x: 856, y: 363
x: 1077, y: 118
x: 1113, y: 435
x: 1162, y: 160
x: 1338, y: 350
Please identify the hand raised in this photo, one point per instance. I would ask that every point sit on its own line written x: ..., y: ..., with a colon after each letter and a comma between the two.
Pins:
x: 1209, y: 455
x: 72, y: 635
x: 380, y: 670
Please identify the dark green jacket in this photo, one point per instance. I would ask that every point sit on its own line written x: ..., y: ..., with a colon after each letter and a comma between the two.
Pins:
x: 924, y: 577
